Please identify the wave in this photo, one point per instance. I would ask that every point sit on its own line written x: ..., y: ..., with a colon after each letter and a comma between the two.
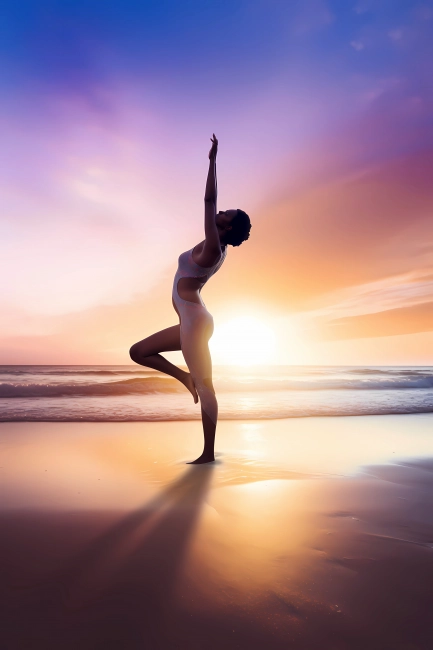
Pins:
x: 69, y: 371
x: 259, y: 372
x: 280, y: 414
x: 397, y: 383
x: 393, y: 372
x: 151, y: 385
x: 135, y: 386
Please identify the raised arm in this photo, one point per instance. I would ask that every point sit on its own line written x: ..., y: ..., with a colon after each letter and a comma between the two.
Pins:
x: 212, y: 246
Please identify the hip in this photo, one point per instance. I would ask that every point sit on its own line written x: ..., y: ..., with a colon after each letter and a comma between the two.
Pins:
x: 191, y: 312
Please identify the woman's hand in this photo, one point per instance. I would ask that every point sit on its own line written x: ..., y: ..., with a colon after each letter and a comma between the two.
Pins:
x: 214, y: 149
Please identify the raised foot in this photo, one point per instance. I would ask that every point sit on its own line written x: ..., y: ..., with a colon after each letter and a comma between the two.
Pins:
x: 191, y: 387
x: 202, y: 459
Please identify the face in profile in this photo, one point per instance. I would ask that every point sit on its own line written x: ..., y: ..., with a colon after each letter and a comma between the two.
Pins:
x: 224, y: 218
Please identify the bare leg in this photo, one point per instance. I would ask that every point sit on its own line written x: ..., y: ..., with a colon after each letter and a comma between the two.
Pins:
x: 195, y: 337
x: 209, y: 428
x: 146, y: 353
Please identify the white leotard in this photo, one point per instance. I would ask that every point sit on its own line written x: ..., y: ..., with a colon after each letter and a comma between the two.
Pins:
x: 196, y: 328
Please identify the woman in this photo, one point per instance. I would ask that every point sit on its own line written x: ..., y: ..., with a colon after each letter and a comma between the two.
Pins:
x: 192, y: 334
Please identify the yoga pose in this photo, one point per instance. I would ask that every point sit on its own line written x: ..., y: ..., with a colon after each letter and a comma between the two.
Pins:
x: 196, y: 326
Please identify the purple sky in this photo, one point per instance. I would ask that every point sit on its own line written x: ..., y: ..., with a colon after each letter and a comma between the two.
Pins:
x: 324, y: 115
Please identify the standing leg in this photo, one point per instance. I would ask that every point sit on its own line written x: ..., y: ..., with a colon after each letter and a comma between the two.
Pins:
x: 196, y: 333
x: 209, y: 429
x: 146, y: 353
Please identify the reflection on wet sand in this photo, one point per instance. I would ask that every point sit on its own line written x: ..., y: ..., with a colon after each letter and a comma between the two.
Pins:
x: 240, y: 471
x: 254, y: 551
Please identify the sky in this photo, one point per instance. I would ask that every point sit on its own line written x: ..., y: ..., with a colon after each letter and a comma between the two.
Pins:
x: 323, y: 111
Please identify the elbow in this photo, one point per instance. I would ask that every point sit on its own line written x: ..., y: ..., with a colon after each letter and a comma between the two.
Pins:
x: 210, y: 199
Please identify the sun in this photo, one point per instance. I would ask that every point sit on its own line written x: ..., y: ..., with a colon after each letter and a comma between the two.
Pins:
x: 243, y: 341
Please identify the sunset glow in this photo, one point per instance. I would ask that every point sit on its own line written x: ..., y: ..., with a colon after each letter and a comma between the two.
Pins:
x: 325, y: 141
x: 243, y: 341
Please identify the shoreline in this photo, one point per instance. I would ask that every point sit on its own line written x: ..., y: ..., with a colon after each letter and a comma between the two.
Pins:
x: 80, y: 420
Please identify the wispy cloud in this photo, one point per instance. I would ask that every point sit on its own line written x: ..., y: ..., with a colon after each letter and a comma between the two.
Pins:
x: 395, y: 292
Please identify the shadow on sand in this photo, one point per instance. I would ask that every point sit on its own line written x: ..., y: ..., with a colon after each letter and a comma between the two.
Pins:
x: 118, y: 592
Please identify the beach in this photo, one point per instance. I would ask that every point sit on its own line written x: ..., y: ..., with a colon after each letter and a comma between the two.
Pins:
x: 305, y: 533
x: 216, y: 200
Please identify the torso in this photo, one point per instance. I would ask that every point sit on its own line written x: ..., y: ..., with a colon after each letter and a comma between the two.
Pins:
x: 189, y: 288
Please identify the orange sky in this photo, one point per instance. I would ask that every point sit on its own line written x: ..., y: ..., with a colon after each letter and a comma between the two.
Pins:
x: 331, y: 157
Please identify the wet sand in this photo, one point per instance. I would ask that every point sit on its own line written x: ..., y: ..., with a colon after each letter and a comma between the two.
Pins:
x: 312, y: 533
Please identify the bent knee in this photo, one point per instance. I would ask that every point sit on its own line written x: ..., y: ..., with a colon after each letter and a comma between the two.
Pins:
x: 133, y: 351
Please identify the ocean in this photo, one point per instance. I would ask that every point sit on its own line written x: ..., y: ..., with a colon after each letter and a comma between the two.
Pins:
x: 133, y: 393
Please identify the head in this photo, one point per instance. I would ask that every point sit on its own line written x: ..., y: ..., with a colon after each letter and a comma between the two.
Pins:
x: 234, y: 226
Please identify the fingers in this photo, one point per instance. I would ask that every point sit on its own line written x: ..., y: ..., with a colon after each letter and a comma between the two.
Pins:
x: 214, y: 148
